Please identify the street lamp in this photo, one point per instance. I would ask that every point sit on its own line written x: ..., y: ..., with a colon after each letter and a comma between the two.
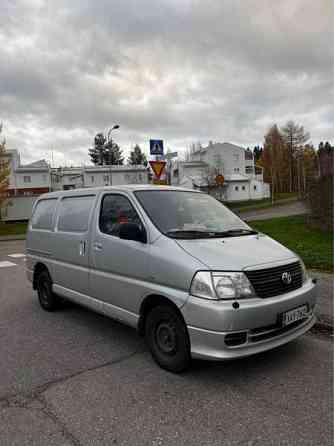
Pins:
x: 109, y: 139
x: 115, y: 127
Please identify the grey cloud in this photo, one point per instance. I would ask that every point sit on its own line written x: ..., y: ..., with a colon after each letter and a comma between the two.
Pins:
x: 182, y: 70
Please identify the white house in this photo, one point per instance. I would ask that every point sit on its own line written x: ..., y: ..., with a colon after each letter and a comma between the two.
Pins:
x: 27, y: 182
x: 242, y: 179
x: 64, y: 178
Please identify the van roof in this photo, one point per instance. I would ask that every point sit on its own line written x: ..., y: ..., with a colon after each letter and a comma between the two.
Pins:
x: 125, y: 188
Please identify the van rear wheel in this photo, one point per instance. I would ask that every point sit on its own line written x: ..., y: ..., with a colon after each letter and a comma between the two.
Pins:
x: 167, y: 338
x: 47, y: 299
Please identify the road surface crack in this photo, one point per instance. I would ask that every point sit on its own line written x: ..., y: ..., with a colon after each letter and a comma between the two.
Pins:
x: 21, y: 399
x: 50, y: 413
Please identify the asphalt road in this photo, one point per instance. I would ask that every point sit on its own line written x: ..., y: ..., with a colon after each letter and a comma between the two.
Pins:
x: 77, y: 378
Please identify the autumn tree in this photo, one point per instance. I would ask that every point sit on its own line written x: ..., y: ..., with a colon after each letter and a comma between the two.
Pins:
x: 137, y: 157
x: 294, y: 137
x: 309, y: 165
x: 4, y: 173
x: 272, y: 158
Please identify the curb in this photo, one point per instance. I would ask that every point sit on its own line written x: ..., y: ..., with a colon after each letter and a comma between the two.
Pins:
x: 8, y: 238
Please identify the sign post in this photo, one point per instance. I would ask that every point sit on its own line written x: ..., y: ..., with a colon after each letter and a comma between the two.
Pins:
x: 158, y: 167
x: 156, y: 147
x: 220, y: 180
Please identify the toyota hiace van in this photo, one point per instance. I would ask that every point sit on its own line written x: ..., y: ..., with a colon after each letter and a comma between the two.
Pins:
x: 176, y: 264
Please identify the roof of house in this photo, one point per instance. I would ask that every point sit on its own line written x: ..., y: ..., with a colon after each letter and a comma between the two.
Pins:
x: 225, y: 145
x: 40, y: 165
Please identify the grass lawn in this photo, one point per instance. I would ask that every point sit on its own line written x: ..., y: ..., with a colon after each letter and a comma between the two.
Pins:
x: 313, y: 246
x: 12, y: 228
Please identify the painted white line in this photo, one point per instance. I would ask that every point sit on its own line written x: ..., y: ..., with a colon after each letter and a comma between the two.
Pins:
x: 16, y: 256
x: 4, y: 264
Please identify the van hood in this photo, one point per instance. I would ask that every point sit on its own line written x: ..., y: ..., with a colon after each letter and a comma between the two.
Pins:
x: 236, y: 253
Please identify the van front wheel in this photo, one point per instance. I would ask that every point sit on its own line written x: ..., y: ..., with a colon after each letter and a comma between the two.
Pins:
x: 167, y: 338
x: 47, y: 299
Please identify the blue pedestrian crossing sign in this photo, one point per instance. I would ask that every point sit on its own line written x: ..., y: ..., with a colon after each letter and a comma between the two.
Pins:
x: 156, y: 147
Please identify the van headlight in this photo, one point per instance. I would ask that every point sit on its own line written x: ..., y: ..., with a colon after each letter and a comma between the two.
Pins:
x: 221, y: 285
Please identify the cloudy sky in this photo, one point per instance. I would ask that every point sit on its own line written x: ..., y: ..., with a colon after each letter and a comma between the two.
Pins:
x: 180, y: 70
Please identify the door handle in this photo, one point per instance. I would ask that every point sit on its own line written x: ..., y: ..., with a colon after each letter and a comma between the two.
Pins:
x: 82, y: 248
x: 98, y: 246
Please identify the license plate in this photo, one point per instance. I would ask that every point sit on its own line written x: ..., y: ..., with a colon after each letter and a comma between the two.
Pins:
x: 294, y: 315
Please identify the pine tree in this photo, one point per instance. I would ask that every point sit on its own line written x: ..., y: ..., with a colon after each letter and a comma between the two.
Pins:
x: 4, y: 174
x: 137, y: 157
x: 112, y: 154
x: 96, y: 153
x: 326, y: 158
x: 257, y: 152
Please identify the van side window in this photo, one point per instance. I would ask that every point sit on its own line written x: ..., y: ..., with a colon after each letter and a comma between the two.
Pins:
x: 43, y: 213
x: 116, y: 210
x: 74, y: 213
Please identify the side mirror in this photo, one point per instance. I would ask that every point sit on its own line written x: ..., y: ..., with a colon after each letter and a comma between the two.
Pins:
x: 132, y: 231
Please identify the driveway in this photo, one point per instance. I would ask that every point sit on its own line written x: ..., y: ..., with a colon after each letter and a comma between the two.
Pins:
x: 295, y: 208
x: 76, y: 378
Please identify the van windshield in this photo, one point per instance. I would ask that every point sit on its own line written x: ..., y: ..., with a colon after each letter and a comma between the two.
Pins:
x: 182, y: 214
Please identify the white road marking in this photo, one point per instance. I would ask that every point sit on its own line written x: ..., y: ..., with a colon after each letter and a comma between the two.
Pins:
x: 4, y: 264
x: 16, y: 256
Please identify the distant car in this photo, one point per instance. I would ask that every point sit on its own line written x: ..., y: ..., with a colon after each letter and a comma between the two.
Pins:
x: 176, y: 264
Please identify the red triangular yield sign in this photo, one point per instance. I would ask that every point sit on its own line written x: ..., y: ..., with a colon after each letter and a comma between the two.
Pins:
x: 157, y: 167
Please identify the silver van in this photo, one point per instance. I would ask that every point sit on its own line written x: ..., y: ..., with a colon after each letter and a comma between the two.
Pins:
x: 174, y: 263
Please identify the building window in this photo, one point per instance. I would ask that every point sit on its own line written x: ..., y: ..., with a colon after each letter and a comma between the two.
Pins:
x: 236, y: 169
x: 236, y: 188
x: 92, y: 179
x: 106, y: 178
x: 27, y: 179
x: 249, y: 169
x: 254, y: 187
x: 243, y: 188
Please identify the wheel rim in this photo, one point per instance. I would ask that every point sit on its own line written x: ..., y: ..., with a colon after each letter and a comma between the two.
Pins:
x: 44, y: 293
x: 166, y: 337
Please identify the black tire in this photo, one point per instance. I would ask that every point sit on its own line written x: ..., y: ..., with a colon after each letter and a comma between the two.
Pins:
x: 167, y: 338
x: 47, y: 299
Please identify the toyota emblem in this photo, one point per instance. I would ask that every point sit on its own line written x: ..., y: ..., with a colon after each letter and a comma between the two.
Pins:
x: 286, y: 278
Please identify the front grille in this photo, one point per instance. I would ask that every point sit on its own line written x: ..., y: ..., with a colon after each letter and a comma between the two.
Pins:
x: 268, y: 282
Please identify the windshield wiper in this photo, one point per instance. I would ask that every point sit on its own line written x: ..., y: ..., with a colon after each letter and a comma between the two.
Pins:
x: 189, y: 233
x: 236, y: 232
x: 193, y: 233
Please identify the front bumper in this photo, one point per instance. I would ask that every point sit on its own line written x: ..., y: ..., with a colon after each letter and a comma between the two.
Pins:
x: 256, y: 320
